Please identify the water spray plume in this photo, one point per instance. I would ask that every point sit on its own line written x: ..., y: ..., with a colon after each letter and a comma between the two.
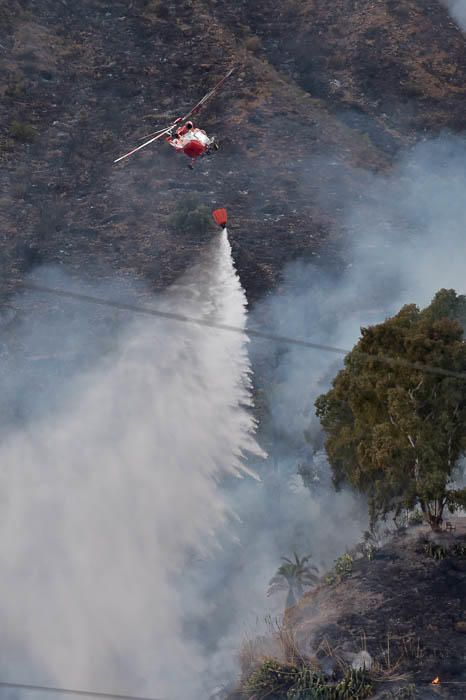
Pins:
x: 113, y: 490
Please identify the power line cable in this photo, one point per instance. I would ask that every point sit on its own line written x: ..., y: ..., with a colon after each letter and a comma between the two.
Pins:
x: 73, y: 691
x: 252, y: 332
x: 120, y: 696
x: 255, y: 333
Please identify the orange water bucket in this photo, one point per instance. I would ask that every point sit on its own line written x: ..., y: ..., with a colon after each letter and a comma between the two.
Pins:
x: 220, y: 217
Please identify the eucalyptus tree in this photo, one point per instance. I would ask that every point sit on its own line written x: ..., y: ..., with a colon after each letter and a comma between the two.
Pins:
x: 395, y: 426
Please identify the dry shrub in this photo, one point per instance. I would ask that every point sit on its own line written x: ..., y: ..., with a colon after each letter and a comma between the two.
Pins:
x: 250, y: 657
x: 161, y: 9
x: 253, y: 44
x: 398, y: 652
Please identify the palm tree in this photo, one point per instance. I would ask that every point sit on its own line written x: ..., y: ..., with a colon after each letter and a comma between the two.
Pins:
x: 293, y: 576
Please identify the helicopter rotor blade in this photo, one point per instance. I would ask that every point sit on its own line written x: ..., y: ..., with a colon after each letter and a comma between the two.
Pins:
x: 158, y: 134
x: 208, y: 95
x: 153, y: 133
x: 143, y: 145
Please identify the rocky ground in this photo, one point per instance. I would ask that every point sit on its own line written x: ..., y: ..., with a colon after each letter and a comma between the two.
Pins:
x: 347, y: 83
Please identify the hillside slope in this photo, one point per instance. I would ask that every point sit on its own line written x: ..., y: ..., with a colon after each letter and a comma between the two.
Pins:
x: 404, y: 607
x: 81, y: 81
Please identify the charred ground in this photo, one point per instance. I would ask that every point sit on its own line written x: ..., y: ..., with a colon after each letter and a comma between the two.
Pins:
x: 348, y: 82
x: 404, y: 607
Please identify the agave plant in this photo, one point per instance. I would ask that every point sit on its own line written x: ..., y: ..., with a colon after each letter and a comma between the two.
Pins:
x: 293, y: 576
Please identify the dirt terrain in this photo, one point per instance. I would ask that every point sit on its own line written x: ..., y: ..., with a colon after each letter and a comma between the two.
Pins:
x: 347, y: 83
x: 405, y: 608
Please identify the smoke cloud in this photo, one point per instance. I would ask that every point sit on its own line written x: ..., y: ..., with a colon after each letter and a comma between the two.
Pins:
x: 404, y: 238
x: 110, y: 484
x: 457, y: 10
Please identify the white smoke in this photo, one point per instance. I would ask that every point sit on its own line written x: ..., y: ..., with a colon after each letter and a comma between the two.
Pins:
x: 408, y: 234
x: 405, y: 237
x: 110, y: 493
x: 457, y: 10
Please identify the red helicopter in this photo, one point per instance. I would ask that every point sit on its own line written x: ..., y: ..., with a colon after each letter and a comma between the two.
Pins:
x: 183, y: 135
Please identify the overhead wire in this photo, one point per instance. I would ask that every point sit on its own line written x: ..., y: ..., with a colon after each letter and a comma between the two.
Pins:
x: 120, y: 696
x: 250, y: 331
x: 73, y: 691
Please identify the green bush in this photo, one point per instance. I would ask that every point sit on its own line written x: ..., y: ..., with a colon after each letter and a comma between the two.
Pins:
x: 436, y: 551
x: 416, y: 518
x: 342, y: 569
x: 271, y: 678
x: 369, y: 546
x: 440, y: 551
x: 21, y: 131
x: 344, y: 566
x: 191, y: 217
x: 356, y: 685
x: 278, y: 681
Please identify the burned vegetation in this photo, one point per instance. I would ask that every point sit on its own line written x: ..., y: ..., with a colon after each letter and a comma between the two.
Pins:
x: 386, y: 625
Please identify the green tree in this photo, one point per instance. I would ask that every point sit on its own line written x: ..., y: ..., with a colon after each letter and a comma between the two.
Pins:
x: 294, y: 575
x: 395, y: 432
